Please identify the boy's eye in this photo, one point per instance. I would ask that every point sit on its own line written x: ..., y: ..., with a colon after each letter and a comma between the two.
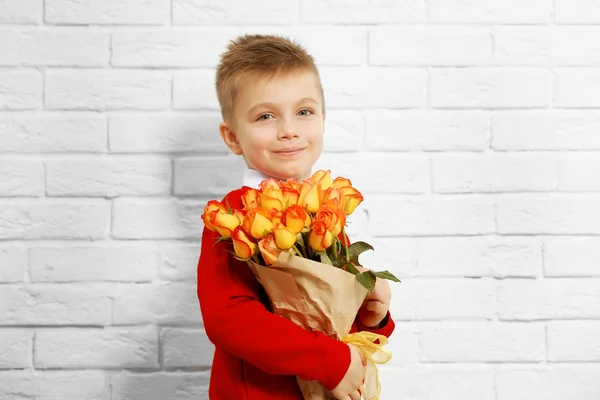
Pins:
x: 305, y: 112
x: 264, y: 117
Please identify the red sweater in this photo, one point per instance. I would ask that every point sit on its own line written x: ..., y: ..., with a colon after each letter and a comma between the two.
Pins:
x: 258, y: 354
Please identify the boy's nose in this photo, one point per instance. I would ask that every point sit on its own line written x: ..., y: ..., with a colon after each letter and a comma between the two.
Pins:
x: 287, y: 130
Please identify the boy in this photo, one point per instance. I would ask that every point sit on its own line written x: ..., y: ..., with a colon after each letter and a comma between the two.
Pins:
x: 273, y: 115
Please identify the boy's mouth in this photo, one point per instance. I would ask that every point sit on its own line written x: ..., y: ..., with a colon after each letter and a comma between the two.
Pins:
x: 288, y: 152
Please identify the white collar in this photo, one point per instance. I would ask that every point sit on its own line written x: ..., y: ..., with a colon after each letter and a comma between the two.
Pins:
x: 253, y: 178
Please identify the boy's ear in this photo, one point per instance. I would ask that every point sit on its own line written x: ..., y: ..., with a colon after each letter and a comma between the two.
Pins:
x: 230, y: 138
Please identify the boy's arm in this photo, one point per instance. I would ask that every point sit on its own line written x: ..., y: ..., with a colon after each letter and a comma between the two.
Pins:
x: 236, y: 321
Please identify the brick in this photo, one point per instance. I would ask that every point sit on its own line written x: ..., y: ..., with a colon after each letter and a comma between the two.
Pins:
x: 42, y: 133
x: 186, y: 347
x: 430, y: 215
x: 191, y: 177
x: 447, y: 46
x: 84, y: 12
x: 50, y: 219
x: 490, y: 11
x: 389, y: 174
x: 160, y: 385
x: 552, y: 382
x: 579, y: 173
x: 577, y: 87
x: 15, y: 349
x: 22, y: 12
x: 482, y: 342
x: 474, y: 173
x: 571, y: 256
x: 109, y: 176
x: 573, y: 341
x: 20, y: 90
x: 353, y: 12
x: 331, y: 45
x: 55, y: 47
x: 577, y: 12
x: 107, y: 90
x: 162, y: 303
x: 545, y: 46
x: 52, y: 385
x: 548, y: 214
x: 426, y: 299
x: 178, y: 261
x: 549, y: 299
x: 21, y: 177
x: 176, y: 47
x: 451, y: 382
x: 546, y: 130
x: 231, y: 12
x: 103, y: 262
x: 171, y: 219
x: 167, y: 133
x: 195, y: 90
x: 54, y: 305
x: 97, y: 348
x: 497, y: 257
x: 404, y: 346
x: 404, y: 130
x: 373, y: 87
x: 344, y: 131
x: 490, y: 88
x: 14, y: 262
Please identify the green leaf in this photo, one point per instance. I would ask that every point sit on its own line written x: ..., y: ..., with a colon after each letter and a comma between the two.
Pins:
x: 387, y: 275
x: 229, y: 209
x: 219, y: 240
x: 367, y: 279
x: 352, y: 269
x: 325, y: 259
x: 357, y: 248
x: 299, y: 239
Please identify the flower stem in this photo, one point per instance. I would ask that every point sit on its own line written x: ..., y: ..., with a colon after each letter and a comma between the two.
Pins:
x: 298, y: 253
x: 346, y: 245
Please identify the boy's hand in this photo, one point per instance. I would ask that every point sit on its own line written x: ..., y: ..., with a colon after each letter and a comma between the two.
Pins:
x: 348, y: 387
x: 376, y: 305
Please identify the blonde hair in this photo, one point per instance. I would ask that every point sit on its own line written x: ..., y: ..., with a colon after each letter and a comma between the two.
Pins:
x: 259, y: 56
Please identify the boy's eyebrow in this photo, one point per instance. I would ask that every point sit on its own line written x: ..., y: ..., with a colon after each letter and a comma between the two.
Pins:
x: 272, y: 105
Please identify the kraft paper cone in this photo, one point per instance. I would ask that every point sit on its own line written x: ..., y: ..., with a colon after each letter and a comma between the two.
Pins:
x: 315, y: 296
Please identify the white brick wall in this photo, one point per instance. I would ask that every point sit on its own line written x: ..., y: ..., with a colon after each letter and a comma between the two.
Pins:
x: 472, y: 127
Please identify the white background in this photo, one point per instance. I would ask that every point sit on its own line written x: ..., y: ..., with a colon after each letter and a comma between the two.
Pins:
x: 471, y: 126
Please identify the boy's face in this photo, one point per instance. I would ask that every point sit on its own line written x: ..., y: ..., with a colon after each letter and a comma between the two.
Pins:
x: 278, y: 125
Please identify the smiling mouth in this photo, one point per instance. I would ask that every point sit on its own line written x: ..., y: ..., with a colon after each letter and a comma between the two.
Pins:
x: 289, y: 152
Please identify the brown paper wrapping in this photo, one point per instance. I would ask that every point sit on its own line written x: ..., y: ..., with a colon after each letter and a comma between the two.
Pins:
x: 317, y: 297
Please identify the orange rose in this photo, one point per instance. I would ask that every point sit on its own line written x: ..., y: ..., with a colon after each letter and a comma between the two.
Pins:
x: 290, y: 184
x: 352, y: 198
x: 250, y: 199
x: 323, y: 178
x: 271, y: 198
x: 276, y: 216
x: 269, y: 250
x: 340, y: 182
x: 295, y: 218
x: 269, y: 184
x: 257, y: 223
x: 243, y: 246
x: 332, y: 216
x: 310, y: 195
x: 212, y: 207
x: 224, y: 223
x: 333, y: 194
x: 290, y: 197
x: 284, y: 237
x: 320, y: 238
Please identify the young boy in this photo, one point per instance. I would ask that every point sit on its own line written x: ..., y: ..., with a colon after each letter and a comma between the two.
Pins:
x: 273, y: 115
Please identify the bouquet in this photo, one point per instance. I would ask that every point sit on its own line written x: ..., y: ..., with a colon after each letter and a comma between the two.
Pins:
x: 292, y: 236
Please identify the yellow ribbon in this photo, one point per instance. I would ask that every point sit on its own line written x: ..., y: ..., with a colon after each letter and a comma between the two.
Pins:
x: 374, y: 353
